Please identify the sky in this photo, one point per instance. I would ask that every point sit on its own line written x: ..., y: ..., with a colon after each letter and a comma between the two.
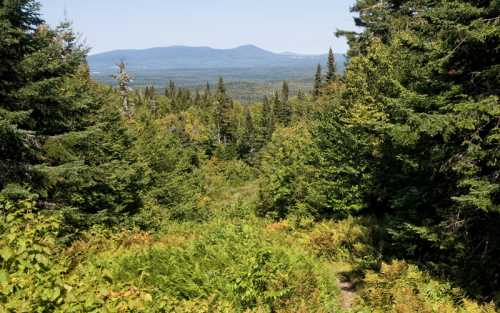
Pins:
x: 277, y: 25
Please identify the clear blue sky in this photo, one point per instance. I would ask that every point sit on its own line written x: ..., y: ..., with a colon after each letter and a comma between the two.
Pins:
x: 277, y: 25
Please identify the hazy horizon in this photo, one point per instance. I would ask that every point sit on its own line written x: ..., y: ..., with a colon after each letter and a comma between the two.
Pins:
x: 229, y: 48
x: 221, y: 24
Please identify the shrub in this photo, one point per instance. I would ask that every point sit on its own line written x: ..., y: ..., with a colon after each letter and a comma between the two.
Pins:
x: 344, y: 240
x: 30, y: 272
x: 401, y: 287
x: 232, y: 265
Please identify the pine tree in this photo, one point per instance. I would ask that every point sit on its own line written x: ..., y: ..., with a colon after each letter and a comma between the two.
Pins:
x: 276, y: 103
x: 317, y: 83
x: 422, y: 83
x: 247, y: 141
x: 331, y: 72
x: 223, y: 118
x: 170, y: 91
x: 283, y: 110
x: 285, y: 92
x: 266, y: 121
x: 44, y: 89
x: 18, y: 143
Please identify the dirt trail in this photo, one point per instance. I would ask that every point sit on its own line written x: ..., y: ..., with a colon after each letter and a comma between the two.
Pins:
x: 347, y: 293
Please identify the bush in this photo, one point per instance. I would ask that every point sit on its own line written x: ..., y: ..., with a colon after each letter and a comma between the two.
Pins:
x: 344, y: 240
x: 30, y: 271
x: 400, y: 287
x: 231, y: 265
x: 289, y: 184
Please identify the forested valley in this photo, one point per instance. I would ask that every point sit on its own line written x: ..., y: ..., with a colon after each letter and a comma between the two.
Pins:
x: 379, y: 191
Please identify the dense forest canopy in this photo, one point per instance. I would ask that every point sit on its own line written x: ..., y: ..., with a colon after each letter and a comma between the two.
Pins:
x: 385, y: 178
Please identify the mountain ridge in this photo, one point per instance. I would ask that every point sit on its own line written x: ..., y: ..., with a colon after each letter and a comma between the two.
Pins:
x: 188, y: 57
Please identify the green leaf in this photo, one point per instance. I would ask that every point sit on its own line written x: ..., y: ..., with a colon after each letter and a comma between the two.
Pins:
x: 6, y: 253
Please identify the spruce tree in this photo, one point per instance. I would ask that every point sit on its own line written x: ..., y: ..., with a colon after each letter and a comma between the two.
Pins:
x: 18, y: 143
x: 223, y: 118
x: 170, y: 91
x: 331, y: 68
x: 266, y: 121
x: 57, y: 138
x: 247, y: 141
x: 422, y: 91
x: 283, y: 110
x: 317, y: 83
x: 44, y: 88
x: 285, y: 92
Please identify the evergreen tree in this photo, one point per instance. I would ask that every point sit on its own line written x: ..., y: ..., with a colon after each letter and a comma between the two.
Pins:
x: 317, y: 83
x: 170, y: 91
x: 285, y: 92
x: 247, y: 141
x: 331, y: 68
x: 223, y: 118
x: 54, y: 138
x: 276, y: 105
x: 422, y: 91
x: 45, y: 94
x: 283, y: 110
x: 267, y: 120
x: 18, y: 144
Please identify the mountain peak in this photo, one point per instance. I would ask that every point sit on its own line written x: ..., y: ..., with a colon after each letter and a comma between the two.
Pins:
x: 249, y: 46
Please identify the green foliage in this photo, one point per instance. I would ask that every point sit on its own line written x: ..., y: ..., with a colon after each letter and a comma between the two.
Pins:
x: 288, y: 177
x: 171, y: 179
x: 317, y: 83
x: 419, y: 107
x: 400, y: 287
x: 331, y: 73
x: 409, y: 135
x: 30, y: 272
x: 347, y: 240
x: 231, y: 264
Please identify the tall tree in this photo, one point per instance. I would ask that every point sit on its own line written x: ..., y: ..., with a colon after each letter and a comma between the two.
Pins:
x: 170, y: 91
x: 266, y: 120
x: 422, y: 89
x: 285, y: 92
x: 18, y: 144
x: 247, y: 140
x: 317, y: 83
x: 283, y: 109
x: 331, y: 73
x: 57, y: 138
x: 44, y: 87
x: 223, y: 118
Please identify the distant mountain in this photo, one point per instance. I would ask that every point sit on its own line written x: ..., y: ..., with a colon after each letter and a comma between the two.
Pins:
x: 183, y: 57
